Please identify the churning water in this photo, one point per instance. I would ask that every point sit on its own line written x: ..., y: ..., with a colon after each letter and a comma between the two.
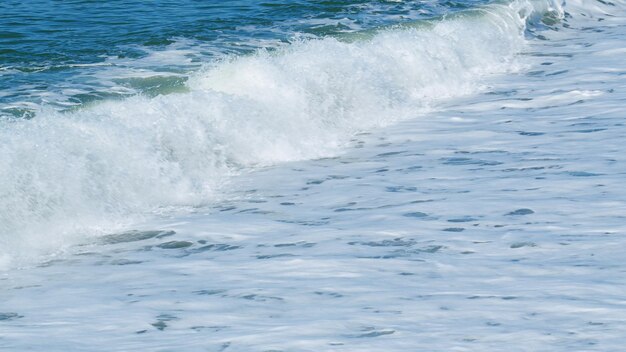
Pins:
x: 312, y: 175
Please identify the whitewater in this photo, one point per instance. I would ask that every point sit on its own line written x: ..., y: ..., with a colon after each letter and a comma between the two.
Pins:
x: 87, y: 171
x: 449, y: 184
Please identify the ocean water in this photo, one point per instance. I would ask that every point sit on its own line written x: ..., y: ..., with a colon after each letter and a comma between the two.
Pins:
x: 312, y: 175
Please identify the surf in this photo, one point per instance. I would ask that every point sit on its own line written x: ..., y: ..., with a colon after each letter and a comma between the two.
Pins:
x: 68, y: 176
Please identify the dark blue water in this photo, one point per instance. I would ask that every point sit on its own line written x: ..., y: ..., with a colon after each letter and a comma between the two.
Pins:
x: 68, y: 53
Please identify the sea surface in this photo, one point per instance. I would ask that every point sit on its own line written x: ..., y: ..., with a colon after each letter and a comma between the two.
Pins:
x: 312, y: 175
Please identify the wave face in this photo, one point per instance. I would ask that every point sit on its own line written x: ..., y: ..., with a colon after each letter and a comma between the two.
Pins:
x: 69, y: 175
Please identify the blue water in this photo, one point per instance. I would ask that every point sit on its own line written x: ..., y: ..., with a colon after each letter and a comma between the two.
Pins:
x: 312, y: 175
x: 51, y: 50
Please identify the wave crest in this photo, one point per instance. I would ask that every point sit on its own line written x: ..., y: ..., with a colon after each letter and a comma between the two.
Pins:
x: 66, y: 175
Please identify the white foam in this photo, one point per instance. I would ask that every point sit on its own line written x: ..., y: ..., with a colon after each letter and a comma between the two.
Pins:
x: 69, y: 175
x: 593, y: 8
x: 475, y: 228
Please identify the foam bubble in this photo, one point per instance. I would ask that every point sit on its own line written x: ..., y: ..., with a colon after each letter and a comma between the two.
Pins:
x: 69, y: 175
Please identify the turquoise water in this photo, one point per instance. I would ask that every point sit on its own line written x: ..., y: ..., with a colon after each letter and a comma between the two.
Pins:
x: 312, y: 176
x: 111, y: 139
x: 55, y: 52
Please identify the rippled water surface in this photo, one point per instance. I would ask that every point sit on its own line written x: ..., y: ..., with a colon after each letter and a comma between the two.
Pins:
x: 449, y: 185
x: 68, y: 53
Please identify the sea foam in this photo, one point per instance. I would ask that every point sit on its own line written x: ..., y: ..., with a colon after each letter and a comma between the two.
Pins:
x: 95, y: 170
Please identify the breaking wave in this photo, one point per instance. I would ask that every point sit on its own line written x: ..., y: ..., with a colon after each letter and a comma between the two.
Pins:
x: 69, y: 175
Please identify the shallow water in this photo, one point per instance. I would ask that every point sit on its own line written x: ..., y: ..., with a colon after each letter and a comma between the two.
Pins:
x: 98, y: 168
x: 491, y: 221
